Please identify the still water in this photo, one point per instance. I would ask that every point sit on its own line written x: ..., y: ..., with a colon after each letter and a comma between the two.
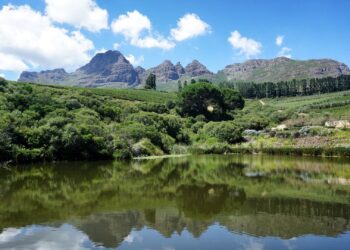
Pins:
x: 195, y: 202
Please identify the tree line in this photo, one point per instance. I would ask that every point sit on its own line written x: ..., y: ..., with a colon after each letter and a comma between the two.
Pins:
x: 290, y: 88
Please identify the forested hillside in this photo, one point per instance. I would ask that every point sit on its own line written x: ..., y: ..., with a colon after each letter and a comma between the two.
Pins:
x: 291, y: 88
x: 39, y: 122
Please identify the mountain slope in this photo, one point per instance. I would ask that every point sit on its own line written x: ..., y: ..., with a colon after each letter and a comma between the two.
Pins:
x: 282, y: 69
x: 112, y: 69
x: 105, y: 69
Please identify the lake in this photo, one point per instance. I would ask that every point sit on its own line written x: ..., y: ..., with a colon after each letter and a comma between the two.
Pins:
x: 189, y: 202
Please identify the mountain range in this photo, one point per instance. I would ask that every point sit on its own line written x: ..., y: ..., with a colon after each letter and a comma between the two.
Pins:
x: 112, y: 69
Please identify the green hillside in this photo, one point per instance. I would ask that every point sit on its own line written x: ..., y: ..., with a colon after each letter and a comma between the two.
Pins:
x: 46, y: 122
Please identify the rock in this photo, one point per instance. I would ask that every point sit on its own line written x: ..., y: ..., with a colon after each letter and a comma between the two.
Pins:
x: 338, y: 181
x: 164, y: 72
x: 112, y: 69
x: 110, y: 66
x: 47, y: 76
x: 341, y: 124
x: 139, y: 70
x: 251, y: 132
x: 283, y: 69
x: 179, y: 69
x: 280, y: 127
x: 103, y: 69
x: 195, y: 69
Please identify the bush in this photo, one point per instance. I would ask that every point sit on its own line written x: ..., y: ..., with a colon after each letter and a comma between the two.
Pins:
x: 223, y: 131
x: 167, y: 124
x: 256, y: 123
x: 145, y: 148
x: 208, y: 100
x: 154, y: 107
x: 197, y: 126
x: 314, y: 131
x: 3, y: 82
x: 202, y: 99
x: 216, y: 148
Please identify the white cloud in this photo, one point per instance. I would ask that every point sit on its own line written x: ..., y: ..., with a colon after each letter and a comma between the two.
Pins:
x: 133, y: 60
x: 285, y: 52
x: 9, y: 234
x: 133, y: 237
x: 246, y: 46
x: 189, y: 26
x: 116, y: 46
x: 79, y: 13
x: 103, y: 50
x: 131, y: 24
x: 137, y: 30
x: 2, y: 75
x: 41, y: 237
x: 153, y: 42
x: 29, y: 39
x: 279, y: 40
x: 11, y: 63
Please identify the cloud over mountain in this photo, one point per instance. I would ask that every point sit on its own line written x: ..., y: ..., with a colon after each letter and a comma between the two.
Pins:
x: 245, y: 46
x: 30, y: 39
x: 80, y: 13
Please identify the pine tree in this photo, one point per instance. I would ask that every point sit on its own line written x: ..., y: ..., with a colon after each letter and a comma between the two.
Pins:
x: 151, y: 82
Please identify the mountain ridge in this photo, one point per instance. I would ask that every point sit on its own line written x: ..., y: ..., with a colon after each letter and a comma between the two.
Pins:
x: 112, y: 69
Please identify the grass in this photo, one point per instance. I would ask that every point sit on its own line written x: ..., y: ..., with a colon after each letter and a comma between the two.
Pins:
x: 302, y: 110
x: 141, y: 95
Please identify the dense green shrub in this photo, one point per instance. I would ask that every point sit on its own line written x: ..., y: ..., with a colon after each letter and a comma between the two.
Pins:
x: 232, y: 99
x: 251, y: 122
x: 205, y: 99
x: 224, y: 131
x: 145, y: 148
x: 154, y: 107
x: 167, y: 124
x: 216, y: 148
x: 202, y: 99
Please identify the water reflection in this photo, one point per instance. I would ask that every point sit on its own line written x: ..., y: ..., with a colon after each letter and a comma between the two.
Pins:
x: 207, y: 202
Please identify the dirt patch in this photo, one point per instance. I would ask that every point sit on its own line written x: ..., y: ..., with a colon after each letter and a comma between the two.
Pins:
x: 313, y: 141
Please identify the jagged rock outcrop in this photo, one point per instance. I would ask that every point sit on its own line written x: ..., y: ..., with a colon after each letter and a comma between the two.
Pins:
x: 109, y: 68
x: 179, y: 69
x: 283, y: 69
x: 112, y: 69
x: 47, y: 76
x: 164, y: 72
x: 195, y: 69
x: 139, y: 70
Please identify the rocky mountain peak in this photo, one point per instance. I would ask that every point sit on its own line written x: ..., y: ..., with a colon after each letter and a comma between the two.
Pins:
x: 140, y: 70
x: 283, y: 69
x: 195, y: 68
x: 179, y: 69
x: 101, y: 61
x: 112, y: 69
x: 164, y: 71
x: 47, y: 76
x: 282, y: 59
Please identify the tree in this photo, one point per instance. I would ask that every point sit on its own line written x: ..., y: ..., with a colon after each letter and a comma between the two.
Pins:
x: 179, y: 86
x: 151, y: 82
x: 233, y: 99
x: 208, y: 100
x: 193, y: 81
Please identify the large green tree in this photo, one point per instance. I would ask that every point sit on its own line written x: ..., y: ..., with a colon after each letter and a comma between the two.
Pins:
x: 208, y: 100
x: 151, y: 82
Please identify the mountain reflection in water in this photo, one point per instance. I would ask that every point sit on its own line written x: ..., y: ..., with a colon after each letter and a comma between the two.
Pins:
x: 206, y: 202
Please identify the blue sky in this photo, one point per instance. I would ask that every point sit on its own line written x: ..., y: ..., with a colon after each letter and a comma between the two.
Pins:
x: 56, y: 33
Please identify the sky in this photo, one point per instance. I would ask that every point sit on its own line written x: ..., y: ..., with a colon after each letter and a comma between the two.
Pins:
x: 47, y: 34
